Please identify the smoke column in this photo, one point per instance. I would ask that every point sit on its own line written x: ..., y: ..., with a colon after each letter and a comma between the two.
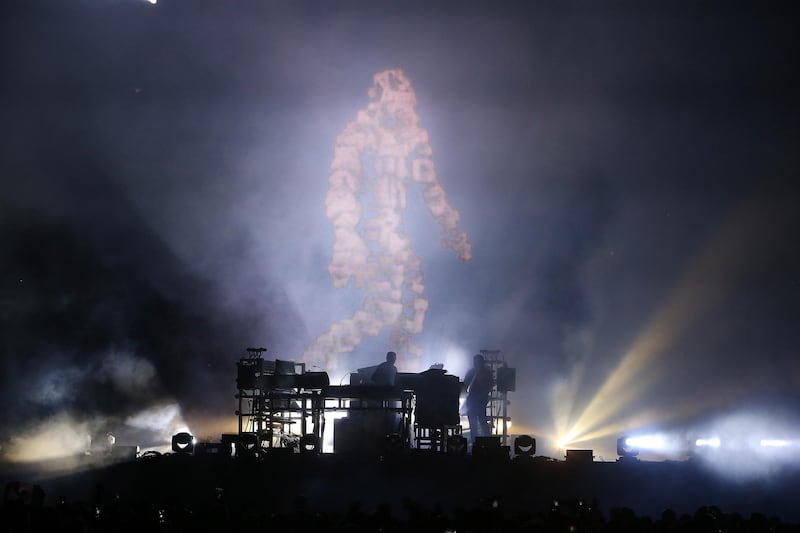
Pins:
x: 374, y: 158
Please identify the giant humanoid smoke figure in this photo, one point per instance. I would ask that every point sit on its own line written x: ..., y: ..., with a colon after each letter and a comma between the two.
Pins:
x: 375, y: 157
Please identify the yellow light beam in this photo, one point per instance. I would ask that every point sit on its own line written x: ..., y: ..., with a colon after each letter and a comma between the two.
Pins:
x: 704, y: 284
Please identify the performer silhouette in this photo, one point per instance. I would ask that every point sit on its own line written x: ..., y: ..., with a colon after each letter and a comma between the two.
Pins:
x: 479, y: 382
x: 385, y: 374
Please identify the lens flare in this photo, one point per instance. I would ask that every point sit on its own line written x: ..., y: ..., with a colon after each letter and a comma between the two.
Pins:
x: 743, y: 445
x: 774, y: 443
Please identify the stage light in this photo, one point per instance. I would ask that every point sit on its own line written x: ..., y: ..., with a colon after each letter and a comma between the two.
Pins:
x: 648, y: 442
x: 524, y: 445
x: 642, y: 367
x: 183, y: 442
x: 774, y: 443
x: 708, y: 443
x: 626, y: 448
x: 310, y: 444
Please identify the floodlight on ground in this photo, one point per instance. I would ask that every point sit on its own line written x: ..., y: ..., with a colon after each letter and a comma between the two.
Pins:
x: 648, y: 442
x: 774, y: 443
x: 183, y: 442
x: 626, y: 448
x: 524, y: 445
x: 310, y: 444
x: 708, y: 443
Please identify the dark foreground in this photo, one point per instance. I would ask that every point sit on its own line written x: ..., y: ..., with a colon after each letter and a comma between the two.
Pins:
x: 408, y: 492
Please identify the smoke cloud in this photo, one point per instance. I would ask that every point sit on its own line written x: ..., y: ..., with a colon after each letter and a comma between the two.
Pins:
x: 374, y: 159
x: 184, y: 180
x: 104, y: 330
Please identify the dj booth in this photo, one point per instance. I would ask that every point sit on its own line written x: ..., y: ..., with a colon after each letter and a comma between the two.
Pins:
x: 280, y: 405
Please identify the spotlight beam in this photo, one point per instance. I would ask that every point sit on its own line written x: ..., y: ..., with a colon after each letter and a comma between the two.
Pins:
x: 705, y: 283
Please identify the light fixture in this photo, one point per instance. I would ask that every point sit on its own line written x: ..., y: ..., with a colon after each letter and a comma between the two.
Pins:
x: 708, y: 443
x: 310, y: 444
x: 774, y: 443
x: 524, y: 445
x: 183, y: 443
x: 626, y: 448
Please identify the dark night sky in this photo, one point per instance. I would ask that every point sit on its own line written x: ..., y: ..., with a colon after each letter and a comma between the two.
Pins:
x: 621, y: 168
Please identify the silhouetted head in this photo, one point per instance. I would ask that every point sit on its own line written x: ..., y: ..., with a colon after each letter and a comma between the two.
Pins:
x: 391, y: 357
x: 478, y: 360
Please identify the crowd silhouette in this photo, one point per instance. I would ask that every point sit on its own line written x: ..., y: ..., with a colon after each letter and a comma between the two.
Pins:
x: 27, y: 508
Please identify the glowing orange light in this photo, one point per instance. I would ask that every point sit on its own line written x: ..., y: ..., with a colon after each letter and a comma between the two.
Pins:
x: 365, y: 206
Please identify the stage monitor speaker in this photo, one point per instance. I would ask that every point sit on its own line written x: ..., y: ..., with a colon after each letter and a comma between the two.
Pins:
x: 124, y: 453
x: 487, y: 442
x: 212, y: 449
x: 506, y: 379
x: 580, y: 457
x: 248, y: 371
x: 456, y: 445
x: 365, y: 434
x: 437, y: 400
x: 489, y: 448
